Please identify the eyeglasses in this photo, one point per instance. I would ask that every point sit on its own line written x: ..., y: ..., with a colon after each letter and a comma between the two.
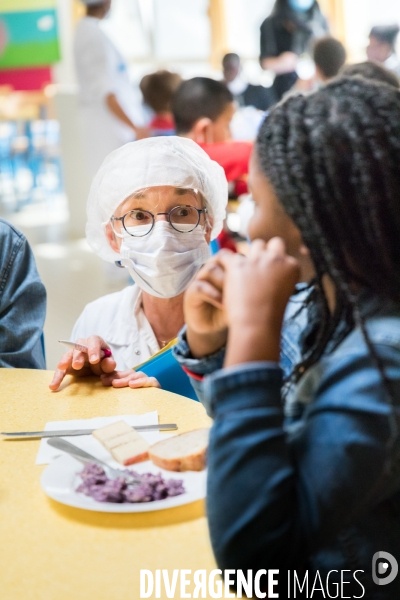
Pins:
x: 139, y: 223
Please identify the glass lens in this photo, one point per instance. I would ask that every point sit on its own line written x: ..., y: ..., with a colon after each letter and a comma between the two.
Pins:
x: 138, y: 222
x: 184, y: 218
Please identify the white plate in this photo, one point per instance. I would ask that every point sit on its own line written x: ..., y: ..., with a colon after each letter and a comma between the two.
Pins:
x: 61, y: 478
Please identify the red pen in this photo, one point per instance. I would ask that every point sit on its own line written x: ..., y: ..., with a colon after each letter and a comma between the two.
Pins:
x: 105, y: 352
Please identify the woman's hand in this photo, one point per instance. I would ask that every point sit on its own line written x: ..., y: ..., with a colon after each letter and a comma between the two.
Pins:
x: 133, y: 379
x: 255, y: 294
x: 204, y: 312
x: 284, y: 63
x: 81, y: 364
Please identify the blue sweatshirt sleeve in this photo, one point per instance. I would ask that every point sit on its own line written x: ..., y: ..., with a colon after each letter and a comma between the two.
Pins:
x: 201, y: 367
x: 276, y: 496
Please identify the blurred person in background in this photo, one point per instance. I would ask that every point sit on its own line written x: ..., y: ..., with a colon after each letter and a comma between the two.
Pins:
x: 285, y: 35
x: 371, y: 70
x: 203, y: 109
x: 22, y: 303
x: 329, y: 57
x: 157, y: 90
x: 106, y: 96
x: 382, y: 47
x: 245, y: 93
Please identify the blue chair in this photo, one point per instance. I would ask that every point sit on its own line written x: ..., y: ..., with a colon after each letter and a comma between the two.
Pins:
x: 214, y: 247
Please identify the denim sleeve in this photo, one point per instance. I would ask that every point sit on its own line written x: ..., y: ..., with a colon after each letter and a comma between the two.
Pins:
x: 22, y: 303
x: 204, y: 366
x: 275, y: 498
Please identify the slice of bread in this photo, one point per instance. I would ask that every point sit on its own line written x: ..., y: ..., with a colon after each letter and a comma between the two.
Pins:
x: 183, y: 452
x: 110, y: 431
x: 131, y: 452
x: 124, y: 443
x: 120, y: 439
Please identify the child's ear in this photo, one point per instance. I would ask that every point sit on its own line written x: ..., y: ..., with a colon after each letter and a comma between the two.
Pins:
x: 201, y: 131
x: 111, y: 237
x: 306, y: 263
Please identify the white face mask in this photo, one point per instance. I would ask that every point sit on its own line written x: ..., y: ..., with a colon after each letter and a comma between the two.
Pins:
x: 165, y: 261
x: 301, y: 5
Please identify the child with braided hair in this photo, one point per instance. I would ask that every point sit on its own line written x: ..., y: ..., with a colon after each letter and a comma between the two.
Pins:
x: 304, y: 470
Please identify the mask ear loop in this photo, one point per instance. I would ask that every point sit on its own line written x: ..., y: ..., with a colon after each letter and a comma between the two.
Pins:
x: 124, y: 262
x: 104, y: 224
x: 207, y: 225
x: 111, y: 223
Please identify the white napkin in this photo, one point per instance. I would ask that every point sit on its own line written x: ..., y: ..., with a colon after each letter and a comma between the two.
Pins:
x: 47, y: 454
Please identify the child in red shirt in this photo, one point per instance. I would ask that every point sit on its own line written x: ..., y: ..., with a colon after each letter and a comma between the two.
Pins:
x: 203, y: 109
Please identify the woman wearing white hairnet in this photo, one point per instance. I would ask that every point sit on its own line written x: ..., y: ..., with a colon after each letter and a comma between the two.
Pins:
x: 153, y: 207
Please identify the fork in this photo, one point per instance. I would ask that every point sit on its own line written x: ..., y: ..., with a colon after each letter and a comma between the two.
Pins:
x: 85, y: 457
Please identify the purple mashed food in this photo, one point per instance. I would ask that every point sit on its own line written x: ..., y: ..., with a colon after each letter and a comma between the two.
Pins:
x: 96, y: 484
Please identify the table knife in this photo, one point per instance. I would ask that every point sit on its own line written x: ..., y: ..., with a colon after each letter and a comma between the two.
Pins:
x: 14, y: 435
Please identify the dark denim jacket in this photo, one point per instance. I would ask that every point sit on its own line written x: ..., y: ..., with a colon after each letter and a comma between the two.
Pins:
x: 22, y: 303
x: 317, y: 490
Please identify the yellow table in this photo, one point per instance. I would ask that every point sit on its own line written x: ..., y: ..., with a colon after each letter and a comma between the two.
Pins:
x: 49, y: 551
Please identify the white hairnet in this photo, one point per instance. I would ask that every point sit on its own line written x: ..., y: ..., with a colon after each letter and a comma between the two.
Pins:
x: 152, y: 162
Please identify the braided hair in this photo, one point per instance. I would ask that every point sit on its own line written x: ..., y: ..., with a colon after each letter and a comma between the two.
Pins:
x: 333, y: 158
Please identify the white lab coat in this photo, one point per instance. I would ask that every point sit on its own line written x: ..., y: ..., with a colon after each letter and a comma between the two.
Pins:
x: 119, y: 319
x: 101, y: 70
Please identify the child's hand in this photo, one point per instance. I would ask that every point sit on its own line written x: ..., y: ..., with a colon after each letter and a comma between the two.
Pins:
x: 81, y: 364
x: 204, y: 313
x: 133, y: 379
x: 256, y: 291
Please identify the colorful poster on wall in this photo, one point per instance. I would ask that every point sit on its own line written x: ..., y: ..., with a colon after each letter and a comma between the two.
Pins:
x: 28, y: 33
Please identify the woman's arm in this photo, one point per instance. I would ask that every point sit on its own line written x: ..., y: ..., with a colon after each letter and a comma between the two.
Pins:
x: 275, y: 498
x: 284, y: 63
x: 116, y: 109
x: 202, y: 342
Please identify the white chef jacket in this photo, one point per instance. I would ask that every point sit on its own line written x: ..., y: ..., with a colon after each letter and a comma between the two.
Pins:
x: 101, y: 70
x: 119, y: 319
